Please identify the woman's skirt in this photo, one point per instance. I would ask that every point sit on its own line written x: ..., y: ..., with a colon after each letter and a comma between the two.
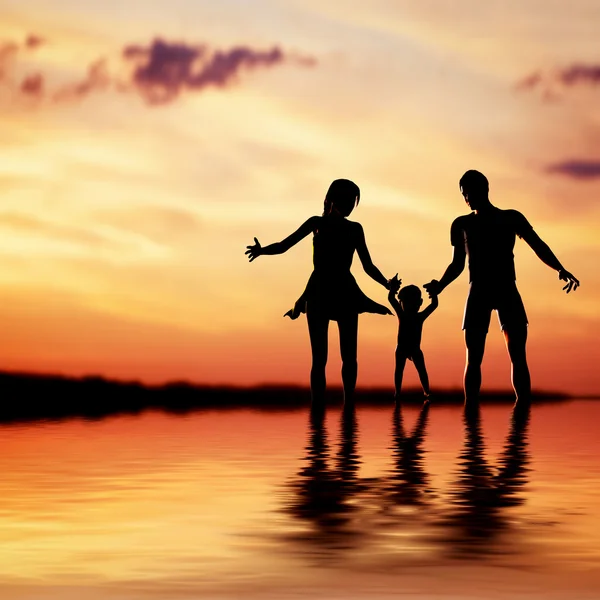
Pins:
x: 335, y: 297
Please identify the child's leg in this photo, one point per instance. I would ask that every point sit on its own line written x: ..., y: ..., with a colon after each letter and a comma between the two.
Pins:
x: 419, y: 361
x: 399, y: 373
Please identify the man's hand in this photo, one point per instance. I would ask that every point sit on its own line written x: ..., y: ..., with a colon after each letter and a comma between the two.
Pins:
x: 572, y: 281
x: 433, y: 288
x: 253, y: 251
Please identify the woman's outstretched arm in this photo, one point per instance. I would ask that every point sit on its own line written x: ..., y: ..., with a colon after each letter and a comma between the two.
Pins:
x: 365, y: 258
x: 280, y: 247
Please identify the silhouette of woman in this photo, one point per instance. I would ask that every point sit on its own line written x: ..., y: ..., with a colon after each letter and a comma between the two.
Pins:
x: 332, y: 293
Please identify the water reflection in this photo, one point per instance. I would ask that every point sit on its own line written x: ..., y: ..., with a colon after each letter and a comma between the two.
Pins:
x: 481, y: 494
x: 408, y: 479
x: 334, y: 509
x: 324, y: 496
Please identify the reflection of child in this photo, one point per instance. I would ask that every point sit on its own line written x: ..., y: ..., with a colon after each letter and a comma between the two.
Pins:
x: 410, y: 328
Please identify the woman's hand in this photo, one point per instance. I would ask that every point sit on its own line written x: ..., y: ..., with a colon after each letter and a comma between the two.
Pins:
x: 394, y: 283
x: 253, y: 251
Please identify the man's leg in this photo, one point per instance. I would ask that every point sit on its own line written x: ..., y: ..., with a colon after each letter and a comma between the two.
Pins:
x: 475, y: 342
x: 348, y: 327
x: 476, y: 323
x: 318, y: 327
x: 516, y: 340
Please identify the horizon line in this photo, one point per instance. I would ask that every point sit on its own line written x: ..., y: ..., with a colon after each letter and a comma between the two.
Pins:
x: 273, y: 386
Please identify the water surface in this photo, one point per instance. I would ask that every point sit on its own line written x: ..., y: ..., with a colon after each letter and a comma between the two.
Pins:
x: 374, y: 503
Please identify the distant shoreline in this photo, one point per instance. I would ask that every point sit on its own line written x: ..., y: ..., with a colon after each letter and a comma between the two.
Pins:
x: 32, y: 396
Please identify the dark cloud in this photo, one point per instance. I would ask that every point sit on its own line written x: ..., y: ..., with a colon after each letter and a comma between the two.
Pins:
x: 163, y: 70
x: 577, y: 74
x: 160, y: 71
x: 223, y: 67
x: 577, y: 169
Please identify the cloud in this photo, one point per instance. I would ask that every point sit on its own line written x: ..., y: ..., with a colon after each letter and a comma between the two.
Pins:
x: 97, y: 78
x: 159, y: 71
x: 10, y: 50
x: 33, y: 85
x: 530, y: 82
x: 576, y: 74
x: 579, y: 74
x: 163, y: 70
x: 577, y: 169
x: 34, y: 41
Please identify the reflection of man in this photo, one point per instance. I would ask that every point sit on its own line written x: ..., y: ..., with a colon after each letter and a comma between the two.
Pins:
x: 487, y: 235
x: 482, y: 494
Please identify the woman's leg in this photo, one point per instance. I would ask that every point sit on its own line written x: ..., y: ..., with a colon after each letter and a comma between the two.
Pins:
x: 348, y: 327
x: 318, y: 327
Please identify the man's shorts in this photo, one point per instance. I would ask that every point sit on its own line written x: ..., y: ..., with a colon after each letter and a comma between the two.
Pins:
x: 505, y: 299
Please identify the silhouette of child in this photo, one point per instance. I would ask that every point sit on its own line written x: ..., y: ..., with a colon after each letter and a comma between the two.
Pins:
x: 410, y: 329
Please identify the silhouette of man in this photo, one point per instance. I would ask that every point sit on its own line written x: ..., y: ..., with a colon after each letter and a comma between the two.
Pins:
x: 487, y: 236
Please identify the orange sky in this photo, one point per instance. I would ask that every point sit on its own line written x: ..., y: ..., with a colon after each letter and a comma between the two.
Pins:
x: 123, y: 222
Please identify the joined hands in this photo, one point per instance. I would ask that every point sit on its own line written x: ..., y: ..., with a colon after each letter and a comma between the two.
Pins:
x: 433, y: 288
x: 393, y: 284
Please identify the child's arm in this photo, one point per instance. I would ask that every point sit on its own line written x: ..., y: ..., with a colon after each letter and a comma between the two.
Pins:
x: 394, y: 284
x: 426, y: 312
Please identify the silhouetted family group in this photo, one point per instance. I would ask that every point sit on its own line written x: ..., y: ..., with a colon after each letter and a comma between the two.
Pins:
x: 486, y: 236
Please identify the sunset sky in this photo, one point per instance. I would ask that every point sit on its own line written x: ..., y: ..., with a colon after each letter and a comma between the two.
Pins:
x: 145, y: 143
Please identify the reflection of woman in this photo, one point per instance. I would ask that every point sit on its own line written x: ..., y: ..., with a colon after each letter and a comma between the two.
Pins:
x: 332, y: 293
x: 323, y: 497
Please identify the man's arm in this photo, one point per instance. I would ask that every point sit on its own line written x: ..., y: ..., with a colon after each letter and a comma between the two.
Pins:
x: 457, y: 266
x: 548, y: 257
x: 280, y: 247
x: 454, y: 269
